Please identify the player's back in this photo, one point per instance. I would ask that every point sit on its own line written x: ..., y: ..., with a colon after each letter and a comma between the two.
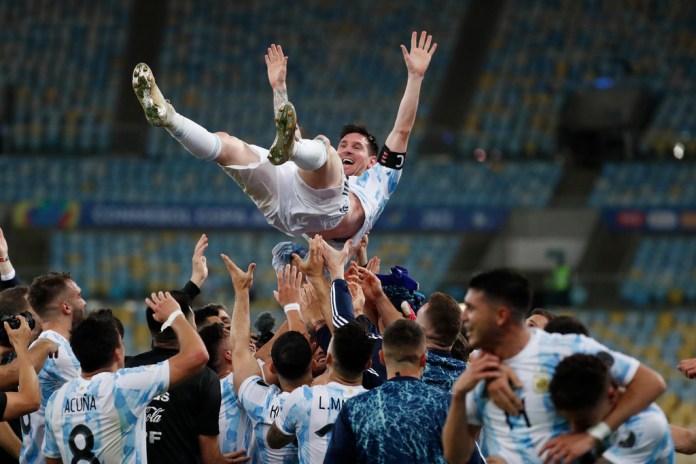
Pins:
x: 263, y: 403
x: 103, y: 418
x: 310, y: 413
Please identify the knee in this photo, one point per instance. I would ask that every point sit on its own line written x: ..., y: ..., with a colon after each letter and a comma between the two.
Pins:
x: 325, y: 140
x: 227, y: 139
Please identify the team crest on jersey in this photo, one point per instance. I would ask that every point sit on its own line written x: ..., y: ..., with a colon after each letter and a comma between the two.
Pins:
x: 541, y: 382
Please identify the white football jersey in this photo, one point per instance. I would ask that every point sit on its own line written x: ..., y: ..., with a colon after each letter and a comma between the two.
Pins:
x: 235, y: 426
x: 643, y: 439
x: 373, y: 188
x: 103, y: 419
x: 54, y: 373
x: 518, y: 439
x: 263, y: 403
x: 310, y: 414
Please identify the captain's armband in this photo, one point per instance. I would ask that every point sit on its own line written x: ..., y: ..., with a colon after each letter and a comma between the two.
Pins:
x: 390, y: 159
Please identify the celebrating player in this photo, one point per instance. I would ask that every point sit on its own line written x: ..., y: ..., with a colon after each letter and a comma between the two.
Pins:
x: 336, y: 193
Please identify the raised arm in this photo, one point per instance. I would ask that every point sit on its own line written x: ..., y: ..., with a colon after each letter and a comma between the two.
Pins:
x: 28, y: 399
x: 313, y: 268
x: 417, y: 61
x: 199, y: 264
x: 288, y: 297
x: 192, y: 355
x: 8, y: 276
x: 277, y: 67
x: 244, y: 363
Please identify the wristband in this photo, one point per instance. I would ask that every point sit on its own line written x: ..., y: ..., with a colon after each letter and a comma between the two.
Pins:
x: 291, y: 307
x: 600, y: 431
x: 170, y: 320
x: 5, y: 259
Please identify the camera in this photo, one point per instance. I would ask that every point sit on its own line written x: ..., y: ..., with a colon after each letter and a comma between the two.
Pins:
x: 14, y: 322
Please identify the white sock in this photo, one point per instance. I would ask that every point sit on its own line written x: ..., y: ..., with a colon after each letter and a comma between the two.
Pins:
x: 309, y: 155
x: 194, y: 138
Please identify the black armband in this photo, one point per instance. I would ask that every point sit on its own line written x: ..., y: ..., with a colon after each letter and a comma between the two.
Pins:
x: 390, y: 159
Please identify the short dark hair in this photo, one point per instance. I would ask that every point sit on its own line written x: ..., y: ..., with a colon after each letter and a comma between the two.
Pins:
x: 579, y: 382
x: 542, y: 312
x: 45, y: 289
x: 108, y: 314
x: 445, y: 318
x: 291, y: 355
x: 372, y: 145
x: 14, y: 300
x: 566, y: 325
x: 201, y: 316
x: 402, y: 339
x: 155, y: 327
x: 506, y: 285
x: 213, y: 335
x: 352, y: 349
x: 93, y: 341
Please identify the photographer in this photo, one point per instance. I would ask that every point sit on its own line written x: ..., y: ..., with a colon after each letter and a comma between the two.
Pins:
x: 13, y: 302
x: 28, y: 399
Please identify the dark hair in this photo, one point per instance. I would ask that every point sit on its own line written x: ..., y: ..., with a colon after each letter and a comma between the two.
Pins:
x: 372, y: 146
x: 542, y: 312
x: 45, y: 289
x: 264, y: 322
x: 566, y: 325
x: 108, y: 314
x: 506, y: 285
x: 461, y: 348
x: 291, y: 355
x: 93, y: 341
x: 201, y: 316
x: 213, y: 335
x: 351, y: 349
x: 445, y: 318
x: 168, y: 334
x: 403, y: 338
x: 13, y: 300
x: 579, y: 382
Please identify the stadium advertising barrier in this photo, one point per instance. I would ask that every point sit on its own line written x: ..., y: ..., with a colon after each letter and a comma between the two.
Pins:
x: 68, y: 215
x: 650, y: 220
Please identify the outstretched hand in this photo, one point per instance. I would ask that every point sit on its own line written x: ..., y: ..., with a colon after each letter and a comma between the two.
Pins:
x: 241, y: 280
x: 335, y: 260
x: 277, y: 66
x: 289, y: 285
x: 4, y: 249
x: 163, y: 305
x: 199, y: 264
x: 418, y: 59
x: 313, y: 266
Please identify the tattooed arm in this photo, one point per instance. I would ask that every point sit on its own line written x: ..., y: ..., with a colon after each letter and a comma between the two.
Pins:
x: 277, y: 67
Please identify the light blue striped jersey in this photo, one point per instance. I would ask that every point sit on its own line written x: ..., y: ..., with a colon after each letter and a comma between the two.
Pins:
x: 235, y: 426
x: 518, y: 439
x: 642, y: 439
x: 103, y: 419
x: 54, y: 373
x: 373, y: 188
x: 310, y: 413
x: 262, y: 404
